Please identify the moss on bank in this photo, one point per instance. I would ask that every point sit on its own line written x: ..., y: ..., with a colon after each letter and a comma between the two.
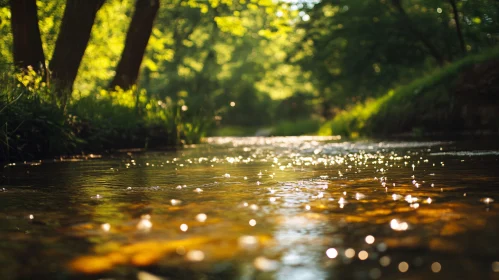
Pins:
x: 428, y: 104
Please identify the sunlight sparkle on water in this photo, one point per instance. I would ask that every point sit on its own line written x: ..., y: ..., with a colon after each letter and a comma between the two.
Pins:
x: 175, y: 202
x: 369, y: 239
x: 403, y: 267
x: 248, y: 242
x: 363, y: 255
x: 106, y: 227
x: 264, y: 264
x: 359, y: 196
x: 195, y: 256
x: 349, y: 253
x: 184, y: 227
x: 331, y: 253
x: 487, y: 200
x: 144, y: 224
x: 396, y: 196
x: 398, y: 225
x: 436, y: 267
x: 201, y: 217
x: 409, y: 198
x: 252, y: 222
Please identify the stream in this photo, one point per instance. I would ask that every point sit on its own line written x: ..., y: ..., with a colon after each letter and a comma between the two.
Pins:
x: 257, y: 208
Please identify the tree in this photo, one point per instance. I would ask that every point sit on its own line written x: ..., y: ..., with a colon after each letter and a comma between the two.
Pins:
x: 458, y: 25
x: 76, y: 26
x: 27, y: 48
x: 137, y: 37
x: 418, y: 34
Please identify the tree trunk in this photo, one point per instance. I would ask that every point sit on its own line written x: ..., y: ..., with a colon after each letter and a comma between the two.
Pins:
x: 76, y: 26
x: 458, y: 26
x: 27, y: 49
x: 421, y: 37
x: 139, y: 31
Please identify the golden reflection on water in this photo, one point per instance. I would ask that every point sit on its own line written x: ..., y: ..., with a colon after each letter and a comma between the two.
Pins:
x: 298, y: 208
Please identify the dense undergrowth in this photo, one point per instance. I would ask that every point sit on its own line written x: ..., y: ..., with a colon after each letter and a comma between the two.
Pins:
x: 428, y: 104
x: 34, y: 125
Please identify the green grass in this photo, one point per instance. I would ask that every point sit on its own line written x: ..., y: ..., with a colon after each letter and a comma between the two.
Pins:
x: 424, y: 103
x: 33, y: 125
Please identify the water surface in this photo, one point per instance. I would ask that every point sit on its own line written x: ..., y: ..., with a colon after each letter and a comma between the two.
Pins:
x: 256, y: 208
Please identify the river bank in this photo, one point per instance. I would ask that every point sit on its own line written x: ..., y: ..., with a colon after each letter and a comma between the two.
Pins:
x: 459, y: 98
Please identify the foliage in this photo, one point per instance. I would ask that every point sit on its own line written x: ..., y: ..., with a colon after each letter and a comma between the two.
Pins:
x: 104, y: 49
x: 424, y: 103
x: 356, y: 50
x: 31, y: 124
x: 6, y: 42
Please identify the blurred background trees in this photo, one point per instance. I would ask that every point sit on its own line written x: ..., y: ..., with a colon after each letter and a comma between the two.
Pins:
x: 195, y: 67
x: 360, y: 49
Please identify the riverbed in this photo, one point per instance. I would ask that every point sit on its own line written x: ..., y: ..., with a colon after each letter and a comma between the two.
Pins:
x: 256, y: 208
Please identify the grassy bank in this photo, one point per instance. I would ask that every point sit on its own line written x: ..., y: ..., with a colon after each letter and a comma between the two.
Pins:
x: 428, y: 104
x: 33, y: 125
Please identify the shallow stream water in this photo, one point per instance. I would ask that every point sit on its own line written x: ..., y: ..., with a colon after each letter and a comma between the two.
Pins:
x: 256, y: 208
